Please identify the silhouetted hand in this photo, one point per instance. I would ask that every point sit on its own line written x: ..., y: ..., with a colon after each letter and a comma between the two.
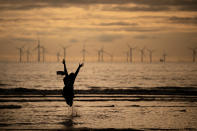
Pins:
x: 80, y: 65
x: 63, y: 62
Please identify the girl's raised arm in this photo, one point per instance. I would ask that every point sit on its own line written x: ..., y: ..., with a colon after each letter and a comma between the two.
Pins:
x: 65, y: 70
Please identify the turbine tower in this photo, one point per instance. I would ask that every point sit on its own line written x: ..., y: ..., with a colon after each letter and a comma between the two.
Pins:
x: 38, y: 50
x: 126, y: 53
x: 38, y: 47
x: 84, y: 51
x: 43, y: 53
x: 150, y: 54
x: 20, y: 53
x: 142, y: 54
x: 164, y: 57
x: 64, y: 49
x: 58, y: 56
x: 193, y: 54
x: 131, y: 53
x: 101, y: 54
x: 127, y: 57
x: 28, y: 53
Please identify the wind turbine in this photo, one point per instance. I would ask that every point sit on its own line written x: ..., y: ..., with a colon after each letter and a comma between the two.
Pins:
x: 38, y: 47
x: 142, y: 54
x: 127, y: 56
x: 20, y: 52
x: 131, y: 53
x: 84, y: 51
x: 43, y: 53
x: 193, y: 53
x: 164, y: 57
x: 64, y: 49
x: 58, y: 56
x: 150, y: 54
x: 101, y: 53
x: 28, y: 53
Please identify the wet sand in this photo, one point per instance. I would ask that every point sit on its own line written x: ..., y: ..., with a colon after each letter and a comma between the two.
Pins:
x: 95, y: 111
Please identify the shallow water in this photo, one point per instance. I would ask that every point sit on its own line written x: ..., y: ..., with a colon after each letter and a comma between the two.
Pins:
x: 102, y: 75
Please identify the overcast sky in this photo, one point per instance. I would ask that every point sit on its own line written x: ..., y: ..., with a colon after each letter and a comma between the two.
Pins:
x: 162, y: 25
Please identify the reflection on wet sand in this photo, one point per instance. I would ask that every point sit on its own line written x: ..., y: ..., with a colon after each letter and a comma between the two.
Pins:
x: 171, y: 113
x: 68, y: 123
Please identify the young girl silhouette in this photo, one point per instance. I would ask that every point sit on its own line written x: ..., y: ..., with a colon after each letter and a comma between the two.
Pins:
x: 69, y: 79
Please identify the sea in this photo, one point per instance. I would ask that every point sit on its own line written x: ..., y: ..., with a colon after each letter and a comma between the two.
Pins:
x: 108, y: 96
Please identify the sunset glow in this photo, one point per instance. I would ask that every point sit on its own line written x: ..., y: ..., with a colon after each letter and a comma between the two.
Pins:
x: 163, y: 25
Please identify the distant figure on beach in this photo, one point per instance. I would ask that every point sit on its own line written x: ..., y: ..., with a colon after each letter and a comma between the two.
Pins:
x: 69, y: 79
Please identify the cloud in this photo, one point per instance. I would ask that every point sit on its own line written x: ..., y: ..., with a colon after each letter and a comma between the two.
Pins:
x: 157, y: 5
x: 145, y: 37
x: 183, y: 20
x: 140, y: 29
x: 165, y: 2
x: 115, y: 29
x: 73, y: 40
x: 20, y: 19
x: 23, y: 39
x: 118, y: 24
x: 140, y: 2
x: 141, y: 5
x: 32, y: 4
x: 108, y: 38
x: 138, y: 8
